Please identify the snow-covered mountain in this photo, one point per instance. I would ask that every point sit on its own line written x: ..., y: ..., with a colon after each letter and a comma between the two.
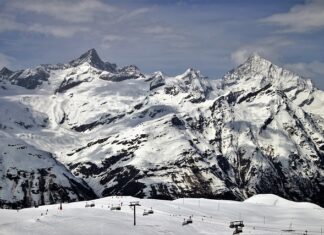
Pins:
x: 102, y: 130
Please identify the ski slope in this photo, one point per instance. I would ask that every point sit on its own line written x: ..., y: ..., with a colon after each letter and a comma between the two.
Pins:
x: 262, y: 214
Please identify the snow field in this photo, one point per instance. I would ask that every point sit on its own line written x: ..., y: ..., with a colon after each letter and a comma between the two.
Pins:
x: 262, y: 214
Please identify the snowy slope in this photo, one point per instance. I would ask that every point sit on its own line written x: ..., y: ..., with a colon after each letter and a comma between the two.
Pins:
x: 209, y: 217
x: 31, y: 177
x: 257, y: 130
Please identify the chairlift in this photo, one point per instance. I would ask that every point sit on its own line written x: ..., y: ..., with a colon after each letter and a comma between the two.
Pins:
x: 187, y: 221
x: 235, y: 224
x: 145, y: 213
x: 150, y: 211
x: 237, y: 230
x: 289, y: 230
x: 91, y: 204
x: 115, y: 208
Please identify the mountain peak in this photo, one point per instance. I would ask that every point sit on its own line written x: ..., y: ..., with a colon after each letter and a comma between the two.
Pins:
x: 257, y: 72
x: 255, y: 58
x: 193, y: 73
x: 5, y: 71
x: 91, y: 56
x: 254, y: 55
x: 254, y: 64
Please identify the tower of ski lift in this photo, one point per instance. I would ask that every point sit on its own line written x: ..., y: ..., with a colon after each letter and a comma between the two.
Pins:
x: 134, y: 204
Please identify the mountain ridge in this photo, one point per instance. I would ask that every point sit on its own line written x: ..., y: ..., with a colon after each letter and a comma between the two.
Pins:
x: 123, y: 132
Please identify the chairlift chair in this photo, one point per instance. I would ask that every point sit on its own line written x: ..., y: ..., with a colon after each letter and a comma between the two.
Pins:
x: 185, y: 222
x: 189, y: 221
x: 235, y: 224
x: 115, y: 208
x: 237, y: 230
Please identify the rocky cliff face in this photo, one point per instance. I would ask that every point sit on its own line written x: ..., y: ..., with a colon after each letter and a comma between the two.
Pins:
x: 118, y: 131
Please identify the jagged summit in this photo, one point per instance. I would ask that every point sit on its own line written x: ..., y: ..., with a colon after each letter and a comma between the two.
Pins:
x: 255, y: 56
x: 5, y: 72
x: 257, y: 71
x: 255, y: 63
x: 191, y: 74
x: 130, y: 69
x: 92, y: 57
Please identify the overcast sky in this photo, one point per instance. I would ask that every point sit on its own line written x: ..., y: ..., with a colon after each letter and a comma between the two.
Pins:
x: 210, y: 35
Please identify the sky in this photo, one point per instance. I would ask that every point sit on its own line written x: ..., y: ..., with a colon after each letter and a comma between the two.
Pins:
x: 212, y: 36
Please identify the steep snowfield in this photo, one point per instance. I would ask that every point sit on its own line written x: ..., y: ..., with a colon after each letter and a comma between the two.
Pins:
x: 30, y: 176
x: 260, y: 129
x: 209, y: 217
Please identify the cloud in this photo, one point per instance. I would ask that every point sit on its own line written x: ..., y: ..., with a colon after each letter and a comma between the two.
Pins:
x: 65, y: 18
x: 113, y: 38
x: 300, y: 18
x: 73, y: 11
x: 10, y: 24
x: 110, y: 39
x: 133, y: 14
x: 5, y: 61
x: 56, y: 30
x: 158, y: 29
x: 312, y: 69
x: 267, y: 47
x: 240, y: 55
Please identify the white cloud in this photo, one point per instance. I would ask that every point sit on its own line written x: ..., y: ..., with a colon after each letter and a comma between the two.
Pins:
x: 10, y: 23
x: 133, y: 14
x: 268, y: 48
x: 110, y: 39
x: 240, y: 55
x: 163, y: 33
x: 56, y: 30
x: 5, y: 61
x: 300, y: 18
x: 75, y: 11
x: 113, y: 38
x: 64, y: 18
x: 158, y: 29
x: 312, y: 69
